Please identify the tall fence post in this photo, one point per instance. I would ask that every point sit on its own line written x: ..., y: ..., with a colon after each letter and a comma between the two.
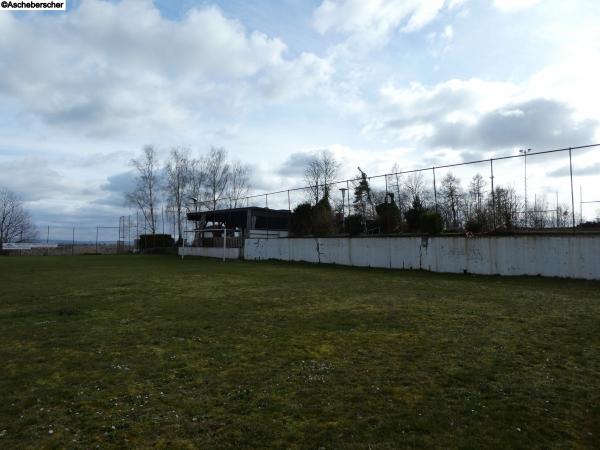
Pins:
x: 267, y: 217
x: 289, y: 202
x: 557, y: 209
x: 96, y: 239
x: 572, y: 194
x: 137, y: 226
x: 398, y: 202
x: 493, y: 193
x: 434, y: 190
x: 580, y: 204
x: 348, y: 187
x: 225, y: 240
x: 73, y: 243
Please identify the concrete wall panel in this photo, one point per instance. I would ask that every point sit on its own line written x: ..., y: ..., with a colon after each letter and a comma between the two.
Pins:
x: 210, y: 252
x: 576, y: 256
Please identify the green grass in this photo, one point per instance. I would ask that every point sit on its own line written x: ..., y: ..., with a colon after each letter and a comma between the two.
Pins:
x: 132, y: 351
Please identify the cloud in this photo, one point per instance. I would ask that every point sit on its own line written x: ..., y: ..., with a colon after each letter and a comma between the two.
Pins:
x: 374, y: 20
x: 538, y: 123
x: 440, y: 41
x: 295, y: 164
x: 514, y: 5
x: 97, y: 71
x: 121, y: 182
x: 31, y: 178
x: 113, y: 191
x: 593, y: 169
x: 477, y: 116
x: 305, y: 74
x: 413, y: 112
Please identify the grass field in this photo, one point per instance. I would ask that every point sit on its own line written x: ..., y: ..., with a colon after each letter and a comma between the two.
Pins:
x: 133, y: 351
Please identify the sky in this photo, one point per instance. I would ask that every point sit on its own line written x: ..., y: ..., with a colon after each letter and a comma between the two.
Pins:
x: 377, y: 83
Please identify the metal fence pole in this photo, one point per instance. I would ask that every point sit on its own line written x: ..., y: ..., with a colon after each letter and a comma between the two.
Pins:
x: 348, y: 187
x: 289, y: 202
x: 73, y: 243
x: 225, y: 240
x: 266, y: 214
x: 96, y: 239
x: 526, y: 197
x: 580, y: 204
x: 572, y: 194
x: 557, y: 209
x: 434, y: 190
x: 493, y: 193
x: 398, y: 192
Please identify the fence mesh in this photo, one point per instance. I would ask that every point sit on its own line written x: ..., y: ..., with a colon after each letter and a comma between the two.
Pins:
x: 529, y: 190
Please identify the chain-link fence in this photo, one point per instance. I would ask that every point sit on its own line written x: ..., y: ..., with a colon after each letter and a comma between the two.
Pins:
x: 517, y: 191
x: 530, y: 190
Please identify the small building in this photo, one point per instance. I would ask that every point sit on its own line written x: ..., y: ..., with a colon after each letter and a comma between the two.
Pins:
x: 249, y: 222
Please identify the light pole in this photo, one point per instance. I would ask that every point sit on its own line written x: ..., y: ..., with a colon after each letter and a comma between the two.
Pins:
x: 524, y: 153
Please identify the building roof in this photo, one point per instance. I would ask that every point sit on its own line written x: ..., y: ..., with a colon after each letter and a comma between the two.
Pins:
x: 266, y: 218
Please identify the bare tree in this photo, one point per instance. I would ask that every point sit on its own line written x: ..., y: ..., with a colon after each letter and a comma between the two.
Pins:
x: 217, y: 175
x: 477, y: 191
x: 507, y: 204
x: 414, y: 185
x: 197, y: 180
x: 319, y: 173
x: 539, y: 215
x: 395, y: 186
x: 239, y: 184
x: 451, y: 193
x: 177, y: 171
x: 147, y: 184
x: 15, y: 221
x: 563, y: 215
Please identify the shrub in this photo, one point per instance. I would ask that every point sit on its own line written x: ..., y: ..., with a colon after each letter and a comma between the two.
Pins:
x: 322, y: 218
x: 301, y: 220
x: 474, y: 226
x: 354, y: 224
x: 155, y: 241
x: 388, y: 217
x: 317, y: 219
x: 431, y: 223
x: 413, y: 215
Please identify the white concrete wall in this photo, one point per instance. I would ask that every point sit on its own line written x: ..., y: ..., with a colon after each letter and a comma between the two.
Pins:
x: 575, y: 256
x: 210, y: 252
